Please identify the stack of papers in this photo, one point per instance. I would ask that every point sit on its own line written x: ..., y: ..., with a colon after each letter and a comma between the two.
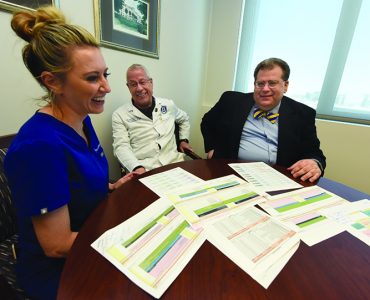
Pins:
x: 224, y: 206
x: 213, y: 199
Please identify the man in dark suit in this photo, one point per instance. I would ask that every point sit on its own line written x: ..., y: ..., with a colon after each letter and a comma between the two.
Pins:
x: 265, y: 125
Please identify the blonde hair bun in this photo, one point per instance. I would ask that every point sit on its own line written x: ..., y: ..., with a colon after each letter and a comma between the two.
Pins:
x: 27, y: 24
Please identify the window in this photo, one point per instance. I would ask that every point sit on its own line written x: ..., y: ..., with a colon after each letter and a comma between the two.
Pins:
x: 326, y: 46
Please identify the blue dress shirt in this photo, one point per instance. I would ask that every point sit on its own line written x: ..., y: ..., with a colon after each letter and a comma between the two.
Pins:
x: 259, y: 139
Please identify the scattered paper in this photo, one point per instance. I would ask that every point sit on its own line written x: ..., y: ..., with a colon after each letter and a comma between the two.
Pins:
x: 204, y: 202
x: 264, y: 177
x: 152, y: 247
x: 163, y: 182
x: 354, y: 216
x: 257, y: 243
x: 300, y: 210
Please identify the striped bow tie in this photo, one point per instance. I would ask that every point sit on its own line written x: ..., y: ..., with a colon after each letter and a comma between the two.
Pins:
x: 259, y: 113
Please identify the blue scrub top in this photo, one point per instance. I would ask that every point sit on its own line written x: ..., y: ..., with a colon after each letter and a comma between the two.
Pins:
x: 48, y: 166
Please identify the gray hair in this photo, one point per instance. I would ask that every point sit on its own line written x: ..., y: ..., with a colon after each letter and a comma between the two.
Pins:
x: 136, y: 67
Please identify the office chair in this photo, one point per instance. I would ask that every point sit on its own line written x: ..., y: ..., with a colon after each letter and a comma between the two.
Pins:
x: 189, y: 153
x: 8, y: 232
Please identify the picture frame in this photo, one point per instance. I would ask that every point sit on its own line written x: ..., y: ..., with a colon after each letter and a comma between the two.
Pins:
x: 15, y: 5
x: 128, y: 25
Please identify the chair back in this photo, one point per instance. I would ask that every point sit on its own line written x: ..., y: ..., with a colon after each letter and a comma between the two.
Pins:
x: 6, y: 140
x: 189, y: 153
x: 7, y: 213
x: 9, y: 288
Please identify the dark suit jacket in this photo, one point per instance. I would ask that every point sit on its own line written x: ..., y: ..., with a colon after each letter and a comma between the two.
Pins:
x: 222, y: 128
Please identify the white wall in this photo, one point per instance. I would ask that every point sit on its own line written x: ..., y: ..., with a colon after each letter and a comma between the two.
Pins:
x: 347, y: 150
x: 18, y: 88
x: 178, y: 73
x: 221, y: 59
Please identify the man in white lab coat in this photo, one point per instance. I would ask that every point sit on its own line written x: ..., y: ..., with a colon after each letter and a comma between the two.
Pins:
x: 143, y: 130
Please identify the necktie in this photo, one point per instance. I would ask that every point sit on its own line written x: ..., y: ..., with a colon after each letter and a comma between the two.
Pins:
x: 259, y: 113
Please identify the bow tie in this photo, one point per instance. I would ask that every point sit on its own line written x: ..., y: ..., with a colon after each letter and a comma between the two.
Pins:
x: 259, y: 113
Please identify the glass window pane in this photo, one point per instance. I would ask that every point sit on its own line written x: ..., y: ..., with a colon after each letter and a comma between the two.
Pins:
x: 353, y: 98
x: 302, y: 35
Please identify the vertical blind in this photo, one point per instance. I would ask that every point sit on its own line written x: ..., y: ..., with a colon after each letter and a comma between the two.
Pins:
x: 326, y: 45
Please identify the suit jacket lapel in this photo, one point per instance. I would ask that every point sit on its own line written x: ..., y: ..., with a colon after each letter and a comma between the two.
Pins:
x: 286, y: 128
x: 240, y: 115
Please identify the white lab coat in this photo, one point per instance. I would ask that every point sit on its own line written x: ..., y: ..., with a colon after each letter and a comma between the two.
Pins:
x: 140, y: 141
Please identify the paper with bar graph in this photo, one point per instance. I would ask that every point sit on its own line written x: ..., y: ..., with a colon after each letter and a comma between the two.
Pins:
x: 300, y: 210
x: 212, y: 199
x: 152, y: 247
x: 354, y: 217
x: 257, y: 243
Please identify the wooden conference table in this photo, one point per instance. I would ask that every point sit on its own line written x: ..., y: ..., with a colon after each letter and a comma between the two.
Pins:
x: 338, y: 268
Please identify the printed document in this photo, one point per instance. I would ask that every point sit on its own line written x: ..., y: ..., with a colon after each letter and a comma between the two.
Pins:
x: 152, y: 247
x: 354, y: 216
x: 264, y: 177
x: 300, y: 210
x: 257, y: 243
x: 204, y: 202
x: 165, y: 181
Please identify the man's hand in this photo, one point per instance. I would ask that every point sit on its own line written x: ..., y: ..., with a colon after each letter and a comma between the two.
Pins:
x: 305, y: 169
x: 139, y: 171
x: 185, y: 146
x: 210, y: 154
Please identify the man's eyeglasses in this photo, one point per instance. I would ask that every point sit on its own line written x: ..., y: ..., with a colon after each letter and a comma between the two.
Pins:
x: 271, y: 84
x: 134, y: 84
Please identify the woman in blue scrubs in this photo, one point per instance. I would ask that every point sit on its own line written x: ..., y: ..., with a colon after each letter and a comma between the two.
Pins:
x: 56, y: 167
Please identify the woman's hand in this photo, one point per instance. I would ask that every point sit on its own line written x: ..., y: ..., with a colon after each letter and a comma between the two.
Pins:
x: 122, y: 180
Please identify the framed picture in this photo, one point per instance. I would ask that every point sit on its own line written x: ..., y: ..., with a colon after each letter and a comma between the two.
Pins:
x: 128, y: 25
x: 14, y: 5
